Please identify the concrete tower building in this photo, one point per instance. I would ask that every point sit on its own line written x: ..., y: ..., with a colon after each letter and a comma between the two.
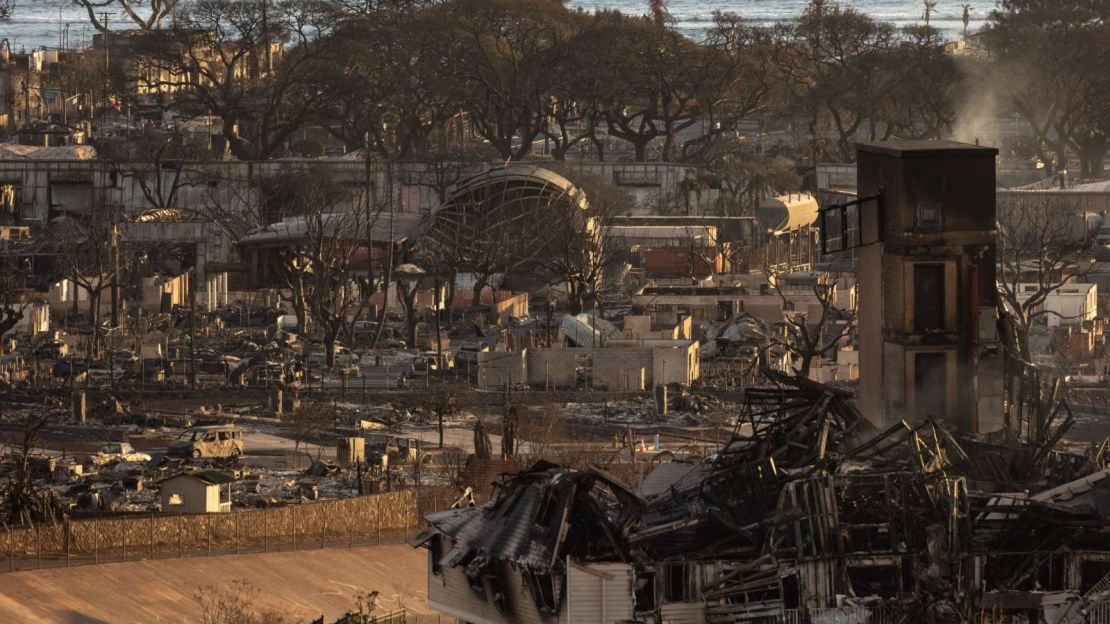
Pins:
x: 927, y: 320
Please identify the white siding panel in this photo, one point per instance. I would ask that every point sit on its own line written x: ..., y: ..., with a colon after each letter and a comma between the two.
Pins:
x: 683, y: 613
x: 593, y: 599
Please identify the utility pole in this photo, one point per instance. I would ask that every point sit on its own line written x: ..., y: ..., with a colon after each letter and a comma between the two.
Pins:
x: 192, y: 328
x: 115, y: 268
x: 437, y: 311
x: 371, y: 218
x: 105, y: 16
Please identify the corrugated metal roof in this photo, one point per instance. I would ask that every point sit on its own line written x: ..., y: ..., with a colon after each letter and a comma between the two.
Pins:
x: 520, y: 173
x: 666, y: 475
x: 504, y: 531
x: 296, y: 228
x: 14, y: 151
x: 211, y: 477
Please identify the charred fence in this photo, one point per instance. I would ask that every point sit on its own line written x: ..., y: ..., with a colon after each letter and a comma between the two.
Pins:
x: 366, y: 520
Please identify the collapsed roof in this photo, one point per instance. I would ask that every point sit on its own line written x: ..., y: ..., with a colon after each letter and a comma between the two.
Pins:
x: 804, y: 478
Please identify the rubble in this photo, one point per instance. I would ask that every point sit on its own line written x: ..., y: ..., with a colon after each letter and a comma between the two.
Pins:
x: 807, y: 507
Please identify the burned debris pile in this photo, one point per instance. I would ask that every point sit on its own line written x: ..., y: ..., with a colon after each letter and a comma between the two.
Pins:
x: 808, y: 508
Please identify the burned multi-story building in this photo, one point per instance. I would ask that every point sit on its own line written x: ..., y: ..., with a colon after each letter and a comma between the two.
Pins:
x: 927, y: 339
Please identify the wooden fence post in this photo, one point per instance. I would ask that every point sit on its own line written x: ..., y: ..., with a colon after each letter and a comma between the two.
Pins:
x: 235, y: 515
x: 378, y: 528
x: 293, y: 512
x: 152, y: 536
x: 323, y: 526
x: 96, y: 540
x: 208, y: 527
x: 38, y: 544
x: 265, y: 530
x: 67, y: 539
x: 180, y: 545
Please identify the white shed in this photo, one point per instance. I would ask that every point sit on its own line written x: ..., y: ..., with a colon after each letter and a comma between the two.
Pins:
x: 204, y: 491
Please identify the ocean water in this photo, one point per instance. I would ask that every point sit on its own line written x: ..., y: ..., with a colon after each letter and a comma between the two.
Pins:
x: 39, y: 23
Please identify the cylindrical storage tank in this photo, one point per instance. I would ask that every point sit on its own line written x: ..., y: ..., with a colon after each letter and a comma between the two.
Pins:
x: 1094, y: 222
x: 788, y: 212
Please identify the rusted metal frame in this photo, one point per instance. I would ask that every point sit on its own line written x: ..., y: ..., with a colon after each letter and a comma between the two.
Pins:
x: 901, y: 427
x: 561, y: 534
x: 741, y: 569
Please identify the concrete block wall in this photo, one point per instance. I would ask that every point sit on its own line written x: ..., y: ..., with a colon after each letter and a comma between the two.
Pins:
x: 611, y: 362
x: 502, y: 368
x: 554, y: 367
x: 630, y: 379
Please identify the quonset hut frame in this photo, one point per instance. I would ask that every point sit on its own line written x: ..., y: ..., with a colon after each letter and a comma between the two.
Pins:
x: 502, y: 220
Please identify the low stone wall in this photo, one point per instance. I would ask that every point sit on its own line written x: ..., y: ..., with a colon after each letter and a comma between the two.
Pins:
x: 379, y: 518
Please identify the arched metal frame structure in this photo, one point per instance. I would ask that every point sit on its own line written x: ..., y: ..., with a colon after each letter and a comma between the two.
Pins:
x: 503, y: 220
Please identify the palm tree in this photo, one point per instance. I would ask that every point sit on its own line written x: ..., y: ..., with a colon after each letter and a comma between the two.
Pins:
x: 929, y: 6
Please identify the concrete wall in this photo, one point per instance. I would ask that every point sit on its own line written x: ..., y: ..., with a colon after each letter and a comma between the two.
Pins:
x: 675, y: 365
x: 870, y: 318
x: 165, y: 590
x: 497, y: 369
x: 623, y: 379
x: 62, y: 295
x: 636, y: 326
x: 672, y: 361
x: 1071, y: 304
x: 554, y: 368
x: 35, y: 321
x: 173, y: 290
x: 613, y: 367
x: 640, y: 327
x: 622, y: 365
x: 229, y: 186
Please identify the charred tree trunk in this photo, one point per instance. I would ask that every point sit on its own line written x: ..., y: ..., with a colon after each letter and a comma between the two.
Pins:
x: 575, y: 297
x: 331, y: 335
x: 476, y: 295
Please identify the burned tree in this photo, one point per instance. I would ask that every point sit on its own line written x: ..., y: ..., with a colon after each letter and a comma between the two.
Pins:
x: 14, y: 298
x: 1040, y: 250
x: 582, y: 251
x: 812, y: 326
x: 21, y: 501
x: 142, y: 14
x: 851, y: 77
x: 253, y: 64
x: 408, y: 278
x: 158, y: 161
x: 310, y: 423
x: 498, y: 51
x: 1057, y: 94
x: 747, y: 177
x: 370, y: 56
x: 321, y: 245
x: 88, y: 253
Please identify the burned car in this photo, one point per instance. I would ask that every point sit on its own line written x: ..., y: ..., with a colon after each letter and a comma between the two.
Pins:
x: 213, y: 441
